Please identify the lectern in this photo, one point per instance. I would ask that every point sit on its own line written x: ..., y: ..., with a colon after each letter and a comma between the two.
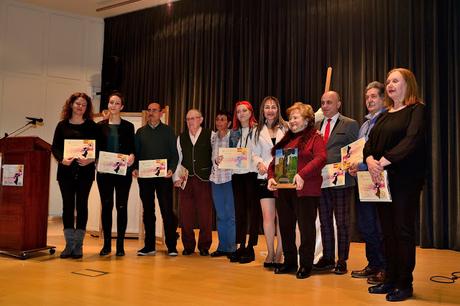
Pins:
x: 24, y: 209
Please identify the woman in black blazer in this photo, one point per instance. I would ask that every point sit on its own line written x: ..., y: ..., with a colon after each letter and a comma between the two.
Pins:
x: 116, y: 135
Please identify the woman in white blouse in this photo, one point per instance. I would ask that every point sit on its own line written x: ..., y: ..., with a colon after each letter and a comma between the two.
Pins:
x: 269, y: 131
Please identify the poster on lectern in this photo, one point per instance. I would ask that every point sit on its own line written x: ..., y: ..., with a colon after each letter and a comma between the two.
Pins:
x: 13, y: 175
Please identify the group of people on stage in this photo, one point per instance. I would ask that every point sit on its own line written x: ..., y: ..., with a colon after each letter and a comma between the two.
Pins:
x: 395, y: 138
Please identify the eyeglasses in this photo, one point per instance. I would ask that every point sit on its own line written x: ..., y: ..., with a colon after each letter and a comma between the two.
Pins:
x: 192, y: 118
x: 153, y: 110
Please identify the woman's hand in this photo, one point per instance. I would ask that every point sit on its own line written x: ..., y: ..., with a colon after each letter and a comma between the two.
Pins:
x: 67, y: 161
x: 271, y: 185
x: 374, y: 166
x: 169, y: 174
x: 298, y: 182
x: 130, y: 160
x: 353, y: 169
x: 84, y: 161
x: 261, y: 168
x: 219, y: 159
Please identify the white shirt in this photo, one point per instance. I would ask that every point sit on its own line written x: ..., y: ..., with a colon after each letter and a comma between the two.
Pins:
x: 333, y: 122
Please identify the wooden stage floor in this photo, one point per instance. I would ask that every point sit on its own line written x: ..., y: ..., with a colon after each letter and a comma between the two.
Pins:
x: 47, y: 280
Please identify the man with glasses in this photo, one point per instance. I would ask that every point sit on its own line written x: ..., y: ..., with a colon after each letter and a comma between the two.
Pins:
x: 156, y: 140
x: 194, y: 148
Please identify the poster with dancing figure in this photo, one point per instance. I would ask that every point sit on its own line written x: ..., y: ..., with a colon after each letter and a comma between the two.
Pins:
x: 373, y: 192
x: 352, y: 153
x: 80, y: 148
x: 13, y: 175
x: 113, y: 163
x: 153, y: 168
x: 234, y: 158
x: 333, y: 175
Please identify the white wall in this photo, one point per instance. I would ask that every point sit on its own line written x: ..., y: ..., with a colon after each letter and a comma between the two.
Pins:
x: 45, y: 56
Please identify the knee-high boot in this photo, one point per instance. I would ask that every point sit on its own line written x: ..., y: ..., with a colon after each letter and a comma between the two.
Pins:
x: 78, y: 243
x: 69, y: 236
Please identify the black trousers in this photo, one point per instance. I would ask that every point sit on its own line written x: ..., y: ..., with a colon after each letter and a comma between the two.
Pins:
x: 398, y: 226
x: 247, y: 208
x: 107, y: 184
x: 164, y: 189
x: 75, y: 195
x: 292, y: 209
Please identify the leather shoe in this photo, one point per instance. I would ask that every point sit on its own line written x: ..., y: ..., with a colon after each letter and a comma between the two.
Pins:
x: 383, y: 288
x: 398, y: 295
x: 105, y: 251
x: 120, y: 253
x: 186, y: 252
x: 303, y: 272
x: 235, y: 256
x: 247, y: 256
x: 377, y: 278
x: 204, y: 252
x: 285, y: 269
x: 364, y: 273
x: 219, y: 253
x: 324, y: 264
x: 341, y: 267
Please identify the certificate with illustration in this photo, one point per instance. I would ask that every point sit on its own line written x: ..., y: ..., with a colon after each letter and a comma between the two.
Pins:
x: 13, y: 175
x: 80, y: 148
x: 113, y: 163
x: 234, y: 158
x: 373, y: 192
x: 286, y: 167
x: 352, y: 153
x: 333, y: 175
x: 153, y: 168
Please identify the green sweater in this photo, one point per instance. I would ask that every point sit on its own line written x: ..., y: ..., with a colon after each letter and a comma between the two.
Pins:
x: 156, y: 143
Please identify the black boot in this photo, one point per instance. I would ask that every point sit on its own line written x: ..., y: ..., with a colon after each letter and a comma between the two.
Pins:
x: 107, y: 248
x: 120, y: 245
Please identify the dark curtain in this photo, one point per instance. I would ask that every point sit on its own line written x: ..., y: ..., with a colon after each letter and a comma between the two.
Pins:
x: 208, y: 54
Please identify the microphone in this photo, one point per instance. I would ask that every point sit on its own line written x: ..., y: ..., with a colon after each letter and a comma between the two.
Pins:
x: 34, y: 120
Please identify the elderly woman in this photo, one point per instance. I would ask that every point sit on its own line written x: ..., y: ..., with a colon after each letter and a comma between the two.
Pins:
x: 396, y: 144
x: 269, y: 131
x: 300, y: 204
x: 75, y: 174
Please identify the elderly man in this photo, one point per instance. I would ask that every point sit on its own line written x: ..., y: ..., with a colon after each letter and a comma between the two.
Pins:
x: 338, y: 131
x: 194, y: 147
x: 368, y: 222
x: 156, y: 140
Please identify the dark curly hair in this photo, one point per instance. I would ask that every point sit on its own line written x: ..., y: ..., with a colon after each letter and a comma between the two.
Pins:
x: 66, y: 113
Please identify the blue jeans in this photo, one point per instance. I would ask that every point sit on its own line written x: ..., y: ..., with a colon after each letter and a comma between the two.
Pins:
x: 370, y: 230
x: 222, y: 195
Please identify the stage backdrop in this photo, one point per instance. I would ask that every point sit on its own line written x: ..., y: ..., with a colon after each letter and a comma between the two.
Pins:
x: 208, y: 54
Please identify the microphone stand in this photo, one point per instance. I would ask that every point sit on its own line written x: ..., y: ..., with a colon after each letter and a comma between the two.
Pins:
x: 32, y: 122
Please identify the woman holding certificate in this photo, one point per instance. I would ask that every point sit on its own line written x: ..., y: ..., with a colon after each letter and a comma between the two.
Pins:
x: 73, y: 148
x: 247, y: 208
x: 299, y: 204
x: 116, y: 135
x: 397, y: 144
x: 269, y: 131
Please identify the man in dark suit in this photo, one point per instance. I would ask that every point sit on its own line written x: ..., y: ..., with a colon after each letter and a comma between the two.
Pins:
x: 338, y: 131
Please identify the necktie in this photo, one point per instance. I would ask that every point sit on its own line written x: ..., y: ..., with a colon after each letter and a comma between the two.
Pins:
x: 327, y: 130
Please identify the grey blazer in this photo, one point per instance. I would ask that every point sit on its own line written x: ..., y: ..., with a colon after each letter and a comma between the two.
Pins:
x: 344, y: 132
